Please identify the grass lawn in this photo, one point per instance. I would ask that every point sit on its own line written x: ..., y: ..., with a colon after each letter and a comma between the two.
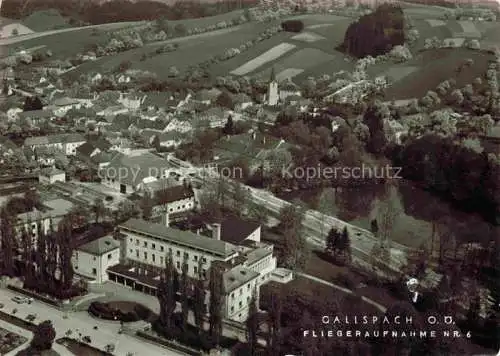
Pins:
x: 223, y: 68
x: 207, y: 21
x: 45, y: 20
x: 435, y: 67
x: 191, y: 52
x: 79, y: 348
x: 67, y: 44
x: 9, y: 341
x: 319, y: 19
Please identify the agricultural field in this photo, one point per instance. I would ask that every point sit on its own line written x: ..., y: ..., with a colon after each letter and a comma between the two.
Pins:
x: 266, y: 57
x: 45, y: 20
x: 190, y: 48
x: 304, y: 59
x: 308, y: 37
x: 207, y: 21
x: 14, y: 29
x: 436, y: 66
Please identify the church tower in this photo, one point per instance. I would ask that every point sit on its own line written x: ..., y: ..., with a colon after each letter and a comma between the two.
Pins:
x: 272, y: 91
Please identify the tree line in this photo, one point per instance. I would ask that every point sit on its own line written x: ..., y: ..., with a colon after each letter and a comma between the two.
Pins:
x: 95, y: 12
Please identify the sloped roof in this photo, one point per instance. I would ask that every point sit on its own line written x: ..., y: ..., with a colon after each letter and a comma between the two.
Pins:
x: 183, y: 238
x: 100, y: 246
x: 175, y: 193
x: 237, y: 277
x: 65, y: 101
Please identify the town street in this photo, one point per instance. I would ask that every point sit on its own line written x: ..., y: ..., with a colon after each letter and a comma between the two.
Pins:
x: 82, y: 322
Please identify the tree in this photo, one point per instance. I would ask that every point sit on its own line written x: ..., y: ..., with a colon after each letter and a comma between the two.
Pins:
x: 43, y: 336
x: 291, y: 217
x: 216, y: 287
x: 374, y: 227
x: 344, y: 244
x: 225, y: 100
x: 65, y: 249
x: 252, y: 325
x: 98, y: 209
x: 473, y: 314
x: 229, y: 126
x: 241, y: 198
x: 331, y: 241
x: 166, y: 296
x: 274, y: 325
x: 185, y: 294
x: 7, y: 239
x: 146, y: 205
x: 199, y: 308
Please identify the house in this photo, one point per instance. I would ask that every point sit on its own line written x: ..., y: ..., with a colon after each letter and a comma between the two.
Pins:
x: 174, y: 201
x: 122, y: 79
x: 214, y: 117
x: 96, y: 78
x: 92, y: 259
x: 179, y: 125
x: 51, y: 175
x: 288, y: 88
x: 36, y: 116
x: 152, y: 187
x: 130, y: 102
x: 167, y: 139
x: 244, y: 267
x: 13, y: 113
x: 92, y: 147
x: 394, y: 131
x: 66, y: 143
x: 112, y: 111
x: 63, y: 105
x: 207, y: 96
x: 125, y: 173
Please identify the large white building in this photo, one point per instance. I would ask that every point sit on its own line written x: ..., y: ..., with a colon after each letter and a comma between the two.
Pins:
x: 91, y: 260
x: 246, y: 265
x: 66, y: 143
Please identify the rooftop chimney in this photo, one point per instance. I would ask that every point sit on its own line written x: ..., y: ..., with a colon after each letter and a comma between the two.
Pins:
x: 216, y: 231
x: 166, y: 219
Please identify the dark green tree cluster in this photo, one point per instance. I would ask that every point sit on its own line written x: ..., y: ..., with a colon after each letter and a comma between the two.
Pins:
x: 338, y: 243
x: 376, y: 33
x: 121, y: 10
x: 466, y: 177
x: 295, y: 253
x: 167, y: 292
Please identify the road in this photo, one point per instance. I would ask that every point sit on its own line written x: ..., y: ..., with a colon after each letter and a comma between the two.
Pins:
x: 318, y: 224
x: 107, y: 26
x: 82, y: 322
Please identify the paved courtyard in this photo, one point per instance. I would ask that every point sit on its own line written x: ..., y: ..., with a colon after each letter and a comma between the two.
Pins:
x: 81, y: 322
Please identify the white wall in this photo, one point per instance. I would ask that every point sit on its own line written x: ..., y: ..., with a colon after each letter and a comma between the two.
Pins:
x: 237, y: 302
x: 91, y: 266
x: 145, y: 250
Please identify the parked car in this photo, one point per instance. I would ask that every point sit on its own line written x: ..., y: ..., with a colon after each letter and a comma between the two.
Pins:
x: 22, y: 300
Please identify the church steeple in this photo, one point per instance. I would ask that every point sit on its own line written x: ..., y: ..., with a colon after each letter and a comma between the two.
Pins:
x: 273, y: 75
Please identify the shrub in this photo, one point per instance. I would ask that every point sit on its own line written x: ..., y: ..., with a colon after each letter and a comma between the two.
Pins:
x: 345, y: 280
x: 292, y: 26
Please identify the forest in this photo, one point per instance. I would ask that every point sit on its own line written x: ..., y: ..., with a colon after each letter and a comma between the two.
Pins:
x: 93, y: 12
x: 376, y: 33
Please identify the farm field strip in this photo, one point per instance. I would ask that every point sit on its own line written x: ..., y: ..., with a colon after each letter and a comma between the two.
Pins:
x: 288, y: 73
x: 308, y: 37
x: 268, y: 56
x: 468, y: 26
x: 320, y: 25
x: 398, y: 73
x: 435, y: 23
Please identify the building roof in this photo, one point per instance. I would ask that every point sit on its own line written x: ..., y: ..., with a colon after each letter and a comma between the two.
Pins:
x: 51, y: 171
x: 134, y: 168
x: 58, y: 138
x: 97, y: 143
x: 100, y: 246
x: 55, y: 208
x: 237, y: 277
x: 235, y: 230
x: 179, y: 237
x: 38, y: 114
x: 175, y: 193
x: 65, y: 101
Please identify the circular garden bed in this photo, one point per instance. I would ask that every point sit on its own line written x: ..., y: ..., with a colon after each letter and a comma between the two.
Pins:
x: 120, y: 311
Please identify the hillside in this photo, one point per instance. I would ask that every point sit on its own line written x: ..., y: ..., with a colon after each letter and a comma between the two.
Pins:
x: 45, y: 21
